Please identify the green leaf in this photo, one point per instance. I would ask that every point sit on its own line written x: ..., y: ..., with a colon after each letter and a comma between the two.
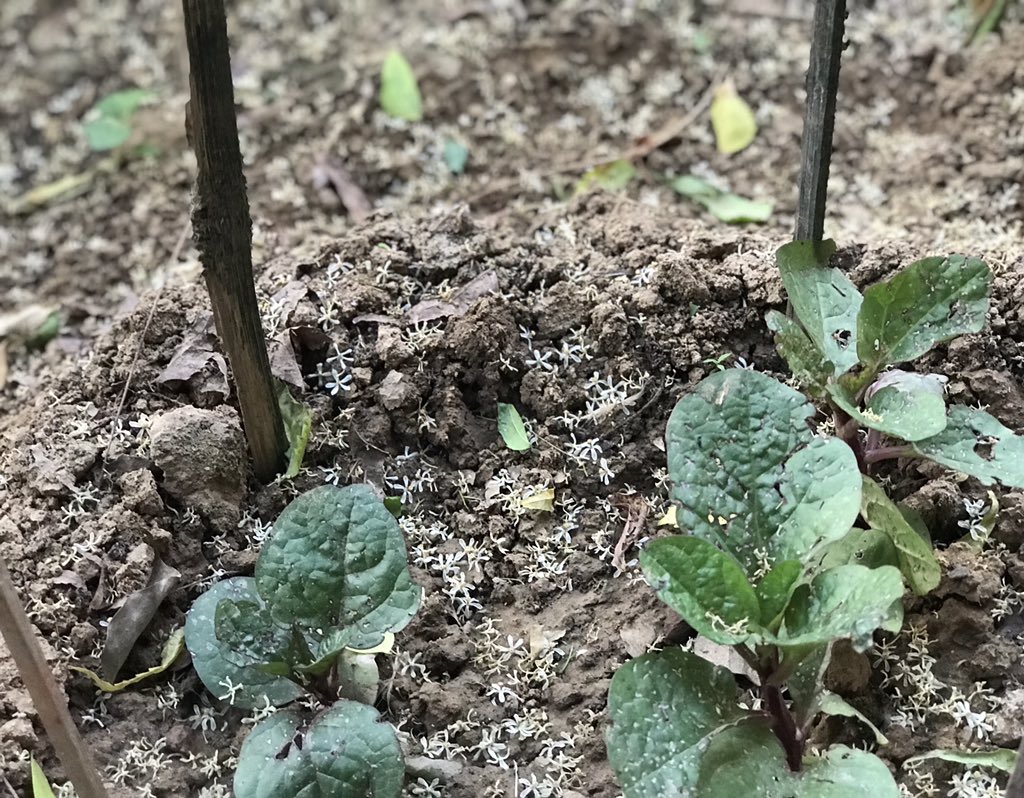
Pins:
x: 834, y: 705
x: 399, y: 91
x: 172, y: 649
x: 359, y: 677
x: 105, y: 133
x: 298, y: 424
x: 337, y: 559
x: 850, y: 601
x: 727, y: 207
x: 346, y: 752
x: 916, y: 558
x: 751, y: 477
x: 217, y: 665
x: 930, y: 301
x: 40, y: 785
x: 663, y: 708
x: 748, y: 760
x: 824, y: 299
x: 806, y: 681
x: 123, y: 104
x: 328, y: 651
x: 706, y: 586
x: 775, y: 590
x: 1004, y: 759
x: 456, y: 154
x: 512, y: 429
x: 803, y: 357
x: 611, y: 176
x: 976, y: 444
x: 911, y: 414
x: 732, y: 120
x: 868, y: 547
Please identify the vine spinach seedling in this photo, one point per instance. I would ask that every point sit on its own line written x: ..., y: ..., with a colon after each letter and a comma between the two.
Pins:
x: 844, y: 342
x: 770, y: 568
x: 331, y: 587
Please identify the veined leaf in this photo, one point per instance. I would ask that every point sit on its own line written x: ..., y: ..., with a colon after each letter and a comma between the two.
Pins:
x: 902, y: 409
x: 805, y: 359
x: 928, y: 302
x: 298, y: 424
x: 976, y: 444
x: 917, y: 560
x: 512, y: 429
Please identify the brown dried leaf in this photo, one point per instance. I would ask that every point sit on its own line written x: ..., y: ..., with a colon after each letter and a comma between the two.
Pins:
x: 460, y: 303
x: 188, y: 367
x: 283, y: 364
x: 328, y: 173
x: 134, y: 616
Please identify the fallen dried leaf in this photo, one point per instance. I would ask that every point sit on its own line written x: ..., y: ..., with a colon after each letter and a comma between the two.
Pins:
x: 459, y: 304
x: 132, y: 619
x: 330, y: 175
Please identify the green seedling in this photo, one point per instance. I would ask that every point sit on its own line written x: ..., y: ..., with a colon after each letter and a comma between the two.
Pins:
x: 331, y: 587
x: 108, y: 124
x: 772, y: 567
x: 843, y: 345
x: 792, y: 546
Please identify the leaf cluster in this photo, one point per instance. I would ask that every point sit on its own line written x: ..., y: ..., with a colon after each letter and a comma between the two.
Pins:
x: 791, y: 546
x: 331, y: 587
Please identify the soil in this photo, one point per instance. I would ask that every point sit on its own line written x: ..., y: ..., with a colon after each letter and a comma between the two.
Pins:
x: 404, y: 330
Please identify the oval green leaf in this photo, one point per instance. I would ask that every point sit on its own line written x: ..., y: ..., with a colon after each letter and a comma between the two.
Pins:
x: 512, y: 429
x: 346, y: 752
x: 337, y: 559
x: 916, y: 558
x: 976, y: 444
x: 399, y: 91
x: 223, y: 666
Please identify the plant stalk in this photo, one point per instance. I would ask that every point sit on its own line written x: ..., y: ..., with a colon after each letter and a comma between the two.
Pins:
x: 887, y: 453
x: 48, y: 699
x: 784, y: 726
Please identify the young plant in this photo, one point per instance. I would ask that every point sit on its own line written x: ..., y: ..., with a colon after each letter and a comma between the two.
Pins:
x: 844, y: 343
x: 331, y: 587
x: 791, y: 547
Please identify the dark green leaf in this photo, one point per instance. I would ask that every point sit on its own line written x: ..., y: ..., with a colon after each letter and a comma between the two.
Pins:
x: 512, y: 429
x: 917, y: 560
x: 850, y: 601
x: 747, y: 760
x: 337, y: 559
x: 804, y: 359
x: 298, y: 424
x: 663, y: 708
x: 824, y: 299
x: 346, y: 752
x: 706, y: 586
x: 751, y: 477
x: 831, y: 704
x: 330, y: 647
x: 399, y: 91
x: 456, y: 154
x: 902, y: 410
x: 774, y: 591
x: 976, y: 444
x: 723, y: 205
x: 930, y: 301
x: 221, y: 666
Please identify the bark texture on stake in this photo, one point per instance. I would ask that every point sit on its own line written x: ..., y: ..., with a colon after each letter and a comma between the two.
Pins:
x: 819, y: 117
x: 48, y: 699
x: 222, y: 231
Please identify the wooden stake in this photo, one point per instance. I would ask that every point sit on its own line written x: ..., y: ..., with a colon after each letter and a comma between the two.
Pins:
x: 222, y: 231
x: 819, y: 117
x: 48, y: 699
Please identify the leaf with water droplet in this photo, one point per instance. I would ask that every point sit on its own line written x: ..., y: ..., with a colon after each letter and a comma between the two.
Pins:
x: 238, y: 663
x: 346, y: 752
x: 976, y: 443
x: 751, y: 477
x: 916, y: 557
x: 337, y: 559
x: 905, y: 409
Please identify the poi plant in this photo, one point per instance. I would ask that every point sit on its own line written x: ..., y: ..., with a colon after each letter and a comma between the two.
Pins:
x: 331, y: 587
x: 790, y: 545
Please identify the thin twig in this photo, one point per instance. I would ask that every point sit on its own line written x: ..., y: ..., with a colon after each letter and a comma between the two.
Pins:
x: 175, y: 253
x: 48, y: 699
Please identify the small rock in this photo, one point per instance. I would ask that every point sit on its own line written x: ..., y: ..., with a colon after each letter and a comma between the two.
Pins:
x: 969, y: 574
x: 20, y: 731
x: 202, y: 455
x: 140, y: 493
x: 396, y: 391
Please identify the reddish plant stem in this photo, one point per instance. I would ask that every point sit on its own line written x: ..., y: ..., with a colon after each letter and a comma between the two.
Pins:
x: 784, y: 726
x: 887, y: 453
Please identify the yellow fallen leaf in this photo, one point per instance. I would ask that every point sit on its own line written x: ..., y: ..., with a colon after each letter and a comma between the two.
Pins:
x: 669, y: 518
x: 172, y: 648
x: 64, y: 188
x: 732, y: 119
x: 542, y: 500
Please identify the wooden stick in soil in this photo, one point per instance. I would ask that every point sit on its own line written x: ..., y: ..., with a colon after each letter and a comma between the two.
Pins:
x: 48, y: 699
x: 819, y: 117
x: 222, y: 231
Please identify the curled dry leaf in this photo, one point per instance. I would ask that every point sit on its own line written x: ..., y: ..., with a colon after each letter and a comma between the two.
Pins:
x: 459, y: 303
x: 334, y: 182
x: 134, y: 616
